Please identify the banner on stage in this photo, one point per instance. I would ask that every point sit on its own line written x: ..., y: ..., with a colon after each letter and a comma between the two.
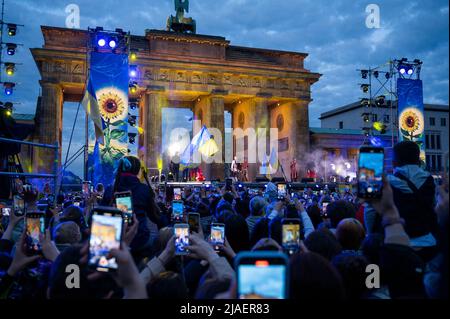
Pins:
x: 108, y: 83
x: 411, y: 113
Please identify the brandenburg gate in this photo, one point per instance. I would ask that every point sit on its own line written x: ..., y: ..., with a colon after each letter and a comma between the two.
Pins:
x: 260, y: 88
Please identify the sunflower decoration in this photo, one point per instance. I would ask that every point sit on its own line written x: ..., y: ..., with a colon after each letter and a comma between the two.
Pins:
x: 113, y: 104
x: 411, y: 123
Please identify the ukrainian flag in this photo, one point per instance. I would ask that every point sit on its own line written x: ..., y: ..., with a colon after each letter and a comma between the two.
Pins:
x: 92, y: 108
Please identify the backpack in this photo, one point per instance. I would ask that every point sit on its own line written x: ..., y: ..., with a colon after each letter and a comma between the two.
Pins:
x: 417, y: 208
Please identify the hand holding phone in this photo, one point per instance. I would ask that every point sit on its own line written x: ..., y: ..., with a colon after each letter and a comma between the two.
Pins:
x: 181, y: 232
x: 34, y: 227
x: 106, y: 234
x: 262, y: 275
x: 291, y: 234
x: 217, y: 236
x: 370, y: 172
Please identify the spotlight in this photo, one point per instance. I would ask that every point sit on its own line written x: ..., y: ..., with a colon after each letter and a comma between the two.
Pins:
x: 133, y: 71
x: 366, y: 117
x: 365, y: 88
x: 9, y: 87
x: 133, y: 87
x: 380, y: 127
x: 101, y: 42
x: 112, y: 43
x: 10, y: 68
x: 364, y: 102
x: 12, y: 29
x: 376, y: 141
x: 376, y: 74
x: 133, y: 55
x: 364, y: 74
x: 387, y: 75
x: 11, y: 48
x: 132, y: 120
x: 134, y: 104
x: 380, y: 100
x: 405, y: 69
x: 132, y: 138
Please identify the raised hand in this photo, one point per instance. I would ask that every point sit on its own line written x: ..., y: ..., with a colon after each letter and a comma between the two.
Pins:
x: 21, y: 259
x: 49, y: 249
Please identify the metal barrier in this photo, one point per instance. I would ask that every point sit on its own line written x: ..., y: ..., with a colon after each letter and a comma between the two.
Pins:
x: 55, y: 147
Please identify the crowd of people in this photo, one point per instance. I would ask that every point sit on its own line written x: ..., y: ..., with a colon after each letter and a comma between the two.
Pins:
x: 404, y: 233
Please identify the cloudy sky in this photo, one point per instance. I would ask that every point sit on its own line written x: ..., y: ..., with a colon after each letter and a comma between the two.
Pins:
x: 334, y: 34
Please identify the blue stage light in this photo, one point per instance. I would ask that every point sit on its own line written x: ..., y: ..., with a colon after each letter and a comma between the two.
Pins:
x: 101, y: 42
x: 133, y: 71
x: 112, y: 44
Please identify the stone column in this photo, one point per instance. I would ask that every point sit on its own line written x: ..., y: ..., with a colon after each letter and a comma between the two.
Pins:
x: 49, y: 127
x: 213, y: 118
x: 261, y: 113
x: 154, y: 102
x: 299, y: 136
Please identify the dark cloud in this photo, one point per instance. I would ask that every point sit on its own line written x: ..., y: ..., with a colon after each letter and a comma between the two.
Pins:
x: 332, y: 32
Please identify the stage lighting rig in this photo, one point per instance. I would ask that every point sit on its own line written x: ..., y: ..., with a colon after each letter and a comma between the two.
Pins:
x: 380, y: 127
x: 133, y: 55
x: 133, y: 87
x: 132, y: 120
x: 364, y: 74
x: 11, y: 48
x: 10, y: 68
x: 108, y: 41
x: 366, y: 117
x: 9, y: 87
x: 365, y: 102
x: 132, y: 138
x: 380, y: 100
x: 133, y: 71
x: 134, y: 104
x: 365, y: 87
x: 376, y: 74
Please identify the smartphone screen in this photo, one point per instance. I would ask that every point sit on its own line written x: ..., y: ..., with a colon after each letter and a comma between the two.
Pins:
x: 123, y: 203
x: 177, y: 193
x: 370, y: 172
x: 181, y: 232
x: 106, y: 233
x: 262, y: 275
x: 35, y: 226
x: 291, y: 233
x: 217, y: 236
x: 19, y: 206
x: 282, y: 190
x: 194, y: 222
x: 177, y: 210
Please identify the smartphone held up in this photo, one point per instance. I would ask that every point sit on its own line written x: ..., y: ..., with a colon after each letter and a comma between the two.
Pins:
x: 370, y: 172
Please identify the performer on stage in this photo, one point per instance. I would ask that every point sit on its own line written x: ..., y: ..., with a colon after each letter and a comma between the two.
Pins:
x: 175, y: 166
x: 294, y: 172
x: 235, y: 168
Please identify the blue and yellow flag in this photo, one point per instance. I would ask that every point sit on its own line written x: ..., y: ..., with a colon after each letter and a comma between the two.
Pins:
x: 91, y: 106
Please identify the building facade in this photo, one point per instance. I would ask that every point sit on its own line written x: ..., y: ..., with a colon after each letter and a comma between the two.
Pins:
x: 260, y: 88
